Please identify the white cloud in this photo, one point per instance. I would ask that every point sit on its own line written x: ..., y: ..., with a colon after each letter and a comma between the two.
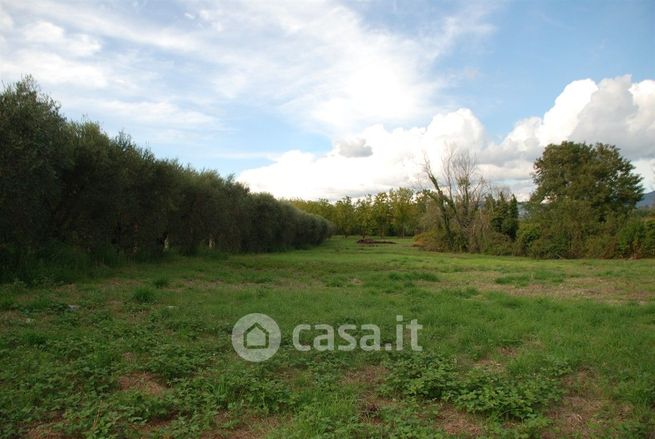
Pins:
x: 157, y: 113
x: 54, y: 37
x: 321, y: 64
x: 318, y: 63
x: 621, y: 113
x: 613, y: 111
x: 51, y: 68
x: 110, y: 22
x: 397, y: 159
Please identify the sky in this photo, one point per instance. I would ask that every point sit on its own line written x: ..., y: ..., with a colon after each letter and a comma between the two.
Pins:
x: 322, y: 99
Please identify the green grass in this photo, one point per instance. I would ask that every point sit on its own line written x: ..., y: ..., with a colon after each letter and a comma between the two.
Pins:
x: 512, y: 347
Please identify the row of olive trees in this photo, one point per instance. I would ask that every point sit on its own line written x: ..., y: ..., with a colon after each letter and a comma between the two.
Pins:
x: 67, y: 190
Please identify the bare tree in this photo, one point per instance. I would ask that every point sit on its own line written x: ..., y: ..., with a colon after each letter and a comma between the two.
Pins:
x: 458, y: 194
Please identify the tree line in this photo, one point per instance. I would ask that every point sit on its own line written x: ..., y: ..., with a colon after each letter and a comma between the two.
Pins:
x: 404, y: 212
x: 70, y: 194
x: 584, y: 205
x: 397, y: 212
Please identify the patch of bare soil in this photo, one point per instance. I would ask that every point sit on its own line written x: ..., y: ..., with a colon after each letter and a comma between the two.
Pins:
x: 457, y: 422
x: 371, y: 375
x: 248, y: 426
x: 44, y: 431
x: 369, y: 241
x: 371, y: 404
x: 153, y: 425
x: 582, y: 411
x: 10, y: 316
x: 574, y: 416
x: 142, y: 382
x: 505, y: 353
x: 115, y: 305
x: 489, y: 364
x: 196, y: 284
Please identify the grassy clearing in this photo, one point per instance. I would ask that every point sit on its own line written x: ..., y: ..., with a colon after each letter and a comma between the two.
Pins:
x: 512, y: 347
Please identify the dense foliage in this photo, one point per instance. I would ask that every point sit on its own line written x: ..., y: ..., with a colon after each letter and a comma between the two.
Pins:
x: 397, y: 212
x: 584, y: 206
x: 71, y: 195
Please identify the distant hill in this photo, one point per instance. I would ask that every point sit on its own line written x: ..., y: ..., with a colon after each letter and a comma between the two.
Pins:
x: 647, y: 201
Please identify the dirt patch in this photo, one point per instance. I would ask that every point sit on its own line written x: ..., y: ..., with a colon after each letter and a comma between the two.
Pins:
x: 508, y: 351
x: 369, y: 241
x: 43, y: 431
x: 10, y: 316
x: 152, y: 426
x: 369, y: 375
x: 115, y: 305
x: 197, y: 283
x: 248, y: 426
x: 371, y: 404
x: 505, y: 353
x: 575, y: 416
x: 457, y: 422
x: 581, y: 411
x: 489, y: 364
x: 142, y: 382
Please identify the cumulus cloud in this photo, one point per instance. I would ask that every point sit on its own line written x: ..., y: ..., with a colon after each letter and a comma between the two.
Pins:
x: 397, y: 158
x: 621, y: 113
x: 615, y: 111
x: 354, y: 148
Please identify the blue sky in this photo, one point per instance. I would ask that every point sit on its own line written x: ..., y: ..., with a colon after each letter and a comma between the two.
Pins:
x: 280, y: 92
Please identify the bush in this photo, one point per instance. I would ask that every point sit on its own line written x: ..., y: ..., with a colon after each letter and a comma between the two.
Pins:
x: 637, y: 239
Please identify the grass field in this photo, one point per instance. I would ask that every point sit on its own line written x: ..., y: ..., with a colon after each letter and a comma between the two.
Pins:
x: 512, y: 347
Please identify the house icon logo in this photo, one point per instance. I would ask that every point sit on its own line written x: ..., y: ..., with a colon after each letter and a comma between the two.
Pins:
x: 256, y: 337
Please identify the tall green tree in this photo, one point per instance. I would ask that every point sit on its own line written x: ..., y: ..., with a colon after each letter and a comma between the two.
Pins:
x: 34, y: 148
x: 584, y: 196
x: 596, y: 175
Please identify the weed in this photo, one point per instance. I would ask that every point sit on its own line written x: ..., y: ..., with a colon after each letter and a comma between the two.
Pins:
x: 144, y: 295
x: 161, y: 282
